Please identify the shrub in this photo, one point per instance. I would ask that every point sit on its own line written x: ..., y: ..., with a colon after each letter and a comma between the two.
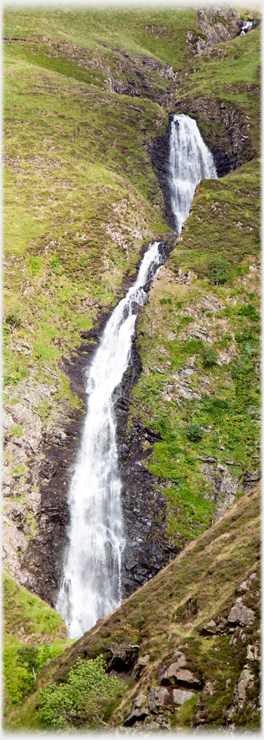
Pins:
x: 209, y: 357
x: 216, y: 406
x: 192, y: 346
x: 13, y: 319
x: 194, y: 432
x: 83, y: 699
x: 218, y: 271
x: 249, y: 311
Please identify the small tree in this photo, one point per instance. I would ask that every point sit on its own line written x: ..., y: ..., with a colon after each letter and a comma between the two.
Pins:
x: 209, y: 356
x: 218, y: 271
x: 83, y: 700
x: 195, y: 432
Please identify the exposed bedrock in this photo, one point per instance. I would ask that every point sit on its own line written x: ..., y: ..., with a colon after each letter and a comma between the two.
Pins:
x: 148, y: 547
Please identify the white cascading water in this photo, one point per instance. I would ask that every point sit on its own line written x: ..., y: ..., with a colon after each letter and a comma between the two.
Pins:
x: 91, y: 587
x: 190, y: 162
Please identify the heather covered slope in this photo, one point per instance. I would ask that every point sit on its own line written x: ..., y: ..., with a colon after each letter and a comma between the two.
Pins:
x: 185, y: 647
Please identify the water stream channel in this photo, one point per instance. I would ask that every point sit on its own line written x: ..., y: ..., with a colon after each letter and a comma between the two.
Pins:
x: 91, y: 586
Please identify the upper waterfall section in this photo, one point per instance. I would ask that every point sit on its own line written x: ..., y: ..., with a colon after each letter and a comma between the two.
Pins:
x: 190, y: 161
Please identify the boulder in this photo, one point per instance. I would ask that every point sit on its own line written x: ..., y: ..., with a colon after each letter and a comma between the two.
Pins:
x: 137, y: 715
x: 140, y: 700
x: 175, y: 674
x: 245, y: 586
x: 180, y: 696
x: 209, y: 628
x: 241, y: 614
x: 245, y: 681
x: 167, y: 673
x: 158, y: 697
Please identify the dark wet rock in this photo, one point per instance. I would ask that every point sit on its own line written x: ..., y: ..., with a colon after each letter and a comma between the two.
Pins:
x: 159, y: 155
x: 224, y: 128
x: 251, y: 477
x: 123, y: 658
x: 147, y: 548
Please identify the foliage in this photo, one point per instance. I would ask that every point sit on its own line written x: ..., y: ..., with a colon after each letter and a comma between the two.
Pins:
x: 22, y: 664
x: 209, y: 356
x: 195, y: 432
x: 250, y: 311
x: 218, y: 271
x: 26, y: 617
x: 82, y: 700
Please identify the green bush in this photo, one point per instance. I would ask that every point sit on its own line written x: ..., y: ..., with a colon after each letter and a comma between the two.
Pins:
x: 209, y: 357
x: 249, y: 311
x: 83, y: 700
x: 218, y: 271
x: 13, y: 319
x: 192, y: 346
x: 194, y: 432
x: 216, y: 406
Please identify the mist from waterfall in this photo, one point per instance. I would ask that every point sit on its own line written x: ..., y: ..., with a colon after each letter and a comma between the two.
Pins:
x: 190, y: 161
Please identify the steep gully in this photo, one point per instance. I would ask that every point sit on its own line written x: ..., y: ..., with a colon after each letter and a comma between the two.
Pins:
x: 97, y: 534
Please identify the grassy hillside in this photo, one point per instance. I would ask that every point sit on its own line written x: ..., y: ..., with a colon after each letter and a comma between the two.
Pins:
x: 184, y: 647
x: 199, y: 343
x: 33, y: 634
x: 87, y: 98
x: 76, y: 161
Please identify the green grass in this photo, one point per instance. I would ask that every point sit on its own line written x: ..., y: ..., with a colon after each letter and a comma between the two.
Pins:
x: 124, y: 29
x: 224, y: 223
x: 69, y: 205
x: 33, y: 634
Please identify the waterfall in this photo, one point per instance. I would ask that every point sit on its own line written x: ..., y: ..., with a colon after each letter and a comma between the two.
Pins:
x: 91, y: 586
x: 190, y: 161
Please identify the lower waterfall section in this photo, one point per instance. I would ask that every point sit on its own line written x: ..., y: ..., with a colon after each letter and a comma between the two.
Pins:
x: 190, y: 162
x: 91, y: 586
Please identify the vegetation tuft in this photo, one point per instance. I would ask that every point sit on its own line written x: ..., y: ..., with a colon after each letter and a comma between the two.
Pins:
x: 83, y: 700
